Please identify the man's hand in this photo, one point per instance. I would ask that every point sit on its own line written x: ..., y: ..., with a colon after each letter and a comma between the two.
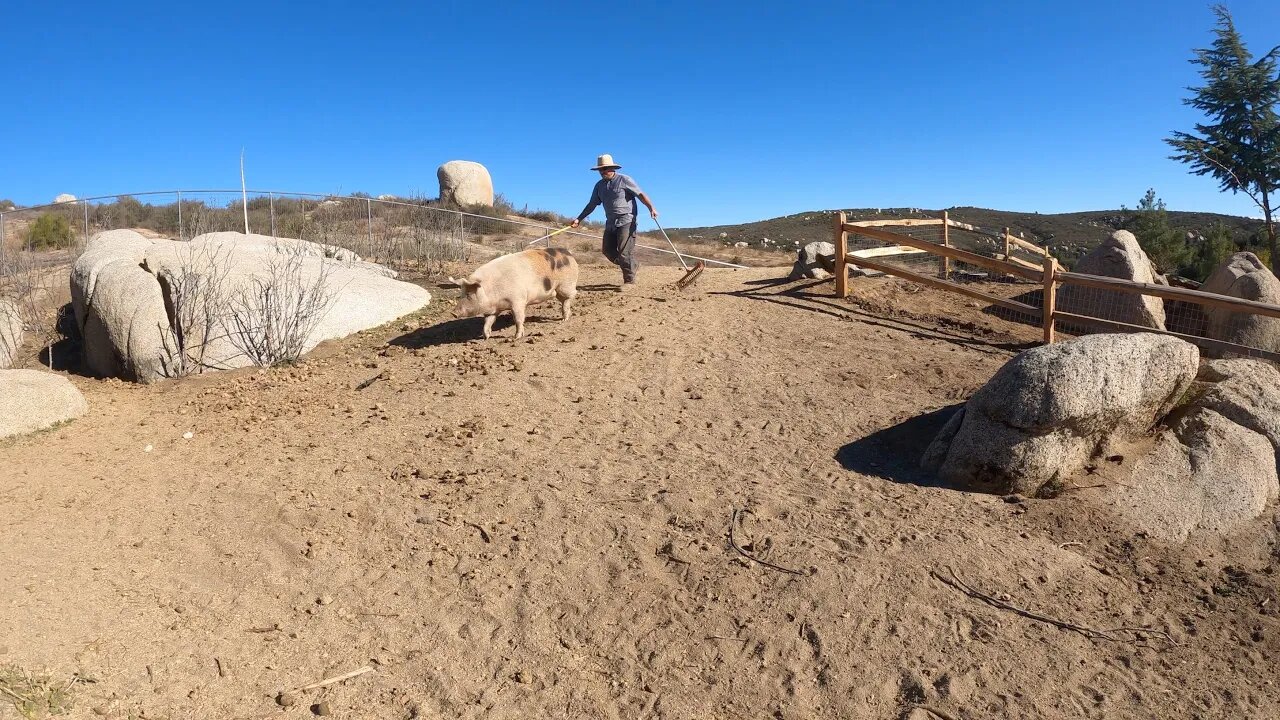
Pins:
x: 653, y: 213
x: 575, y: 223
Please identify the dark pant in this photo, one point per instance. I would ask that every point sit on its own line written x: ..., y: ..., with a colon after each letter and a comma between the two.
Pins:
x: 619, y: 245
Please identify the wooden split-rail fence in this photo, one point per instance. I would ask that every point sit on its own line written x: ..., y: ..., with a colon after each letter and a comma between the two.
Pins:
x: 1048, y: 274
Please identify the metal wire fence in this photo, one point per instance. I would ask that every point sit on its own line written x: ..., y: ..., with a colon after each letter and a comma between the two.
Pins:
x: 1026, y: 295
x: 404, y: 233
x: 1035, y: 291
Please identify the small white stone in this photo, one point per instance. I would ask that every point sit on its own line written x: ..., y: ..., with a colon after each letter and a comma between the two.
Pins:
x: 188, y: 435
x: 146, y: 449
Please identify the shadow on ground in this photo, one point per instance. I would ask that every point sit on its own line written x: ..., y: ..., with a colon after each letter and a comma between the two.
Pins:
x: 464, y: 330
x: 894, y: 453
x: 804, y: 296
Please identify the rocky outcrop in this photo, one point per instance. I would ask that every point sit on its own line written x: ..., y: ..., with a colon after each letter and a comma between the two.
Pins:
x: 1052, y: 408
x: 1119, y: 256
x: 808, y: 264
x: 119, y: 308
x: 465, y: 183
x: 151, y: 309
x: 1206, y: 474
x: 1244, y: 276
x: 32, y: 400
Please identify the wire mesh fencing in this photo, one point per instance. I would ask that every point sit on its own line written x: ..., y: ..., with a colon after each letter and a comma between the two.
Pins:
x: 405, y: 233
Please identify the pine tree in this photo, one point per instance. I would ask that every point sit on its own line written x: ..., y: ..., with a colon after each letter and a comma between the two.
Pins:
x: 1240, y: 147
x: 1164, y: 244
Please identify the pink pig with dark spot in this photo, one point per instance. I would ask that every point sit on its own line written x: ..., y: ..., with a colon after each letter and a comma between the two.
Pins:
x: 513, y: 282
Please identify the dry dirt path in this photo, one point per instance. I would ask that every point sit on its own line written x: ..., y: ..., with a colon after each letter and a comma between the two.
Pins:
x: 538, y: 529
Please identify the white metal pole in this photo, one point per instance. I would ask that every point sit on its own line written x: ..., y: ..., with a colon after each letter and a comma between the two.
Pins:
x: 180, y: 215
x: 244, y: 198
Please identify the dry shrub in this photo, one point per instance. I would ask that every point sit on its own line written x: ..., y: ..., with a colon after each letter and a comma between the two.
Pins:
x: 271, y: 318
x: 195, y: 295
x: 27, y: 303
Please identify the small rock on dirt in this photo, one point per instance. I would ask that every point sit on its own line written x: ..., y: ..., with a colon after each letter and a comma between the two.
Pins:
x: 286, y: 699
x: 321, y: 708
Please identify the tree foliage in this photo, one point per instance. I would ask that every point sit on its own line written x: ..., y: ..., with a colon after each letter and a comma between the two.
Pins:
x: 1239, y: 144
x: 50, y: 230
x: 1163, y: 243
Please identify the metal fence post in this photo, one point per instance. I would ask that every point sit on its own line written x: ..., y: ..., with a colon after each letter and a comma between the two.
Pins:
x: 180, y: 215
x: 2, y: 238
x: 86, y: 220
x: 368, y: 208
x: 271, y: 197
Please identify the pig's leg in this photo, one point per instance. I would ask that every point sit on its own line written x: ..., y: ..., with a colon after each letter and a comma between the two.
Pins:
x: 488, y: 324
x: 566, y: 295
x: 517, y: 312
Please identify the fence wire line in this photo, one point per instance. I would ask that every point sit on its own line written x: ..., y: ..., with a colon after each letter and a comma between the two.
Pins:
x: 185, y: 200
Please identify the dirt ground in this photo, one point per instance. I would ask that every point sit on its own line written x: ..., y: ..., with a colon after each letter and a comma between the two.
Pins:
x: 541, y: 528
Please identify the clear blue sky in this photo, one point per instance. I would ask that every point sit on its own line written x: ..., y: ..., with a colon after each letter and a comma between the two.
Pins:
x: 722, y: 111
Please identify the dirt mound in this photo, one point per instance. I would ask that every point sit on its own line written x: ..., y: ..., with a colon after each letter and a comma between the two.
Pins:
x: 540, y: 529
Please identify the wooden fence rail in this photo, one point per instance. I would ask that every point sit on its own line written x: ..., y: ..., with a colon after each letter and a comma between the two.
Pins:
x: 1048, y: 274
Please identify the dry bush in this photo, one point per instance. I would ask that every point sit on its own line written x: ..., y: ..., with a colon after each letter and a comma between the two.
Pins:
x: 195, y: 296
x: 27, y: 303
x: 271, y: 319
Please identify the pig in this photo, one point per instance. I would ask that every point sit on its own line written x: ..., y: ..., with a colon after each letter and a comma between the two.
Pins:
x: 513, y: 282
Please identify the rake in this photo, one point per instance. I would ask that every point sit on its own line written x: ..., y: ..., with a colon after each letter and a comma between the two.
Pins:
x: 548, y: 235
x: 690, y: 273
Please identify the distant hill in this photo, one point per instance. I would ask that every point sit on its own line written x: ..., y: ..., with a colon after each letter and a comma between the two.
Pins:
x: 1067, y: 234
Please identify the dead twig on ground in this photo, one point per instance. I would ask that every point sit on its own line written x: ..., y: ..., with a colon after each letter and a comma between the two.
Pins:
x: 337, y: 679
x: 370, y: 381
x: 935, y: 711
x: 1073, y: 543
x: 1140, y: 633
x: 733, y: 520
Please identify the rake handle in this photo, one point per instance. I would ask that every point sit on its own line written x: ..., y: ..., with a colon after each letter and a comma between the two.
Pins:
x: 673, y: 245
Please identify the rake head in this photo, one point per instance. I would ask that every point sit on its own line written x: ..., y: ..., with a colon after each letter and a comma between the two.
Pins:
x: 691, y: 276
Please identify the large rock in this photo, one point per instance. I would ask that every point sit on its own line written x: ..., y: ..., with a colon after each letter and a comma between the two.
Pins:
x: 464, y: 183
x: 119, y: 308
x: 1119, y: 256
x: 32, y: 400
x: 1052, y: 408
x: 808, y: 264
x: 1244, y: 276
x: 151, y: 309
x: 1207, y: 474
x: 12, y: 332
x: 65, y: 198
x: 1246, y: 392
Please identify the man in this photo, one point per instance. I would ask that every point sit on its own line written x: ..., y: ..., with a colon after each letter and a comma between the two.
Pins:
x: 618, y: 194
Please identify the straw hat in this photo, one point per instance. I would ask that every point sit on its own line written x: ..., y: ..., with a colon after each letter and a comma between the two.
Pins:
x: 605, y: 162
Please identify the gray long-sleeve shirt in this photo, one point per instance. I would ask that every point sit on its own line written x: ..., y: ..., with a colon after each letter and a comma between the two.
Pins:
x: 617, y: 194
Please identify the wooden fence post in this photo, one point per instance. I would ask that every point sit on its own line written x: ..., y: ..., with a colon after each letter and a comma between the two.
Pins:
x: 842, y: 249
x: 1050, y: 296
x: 946, y: 242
